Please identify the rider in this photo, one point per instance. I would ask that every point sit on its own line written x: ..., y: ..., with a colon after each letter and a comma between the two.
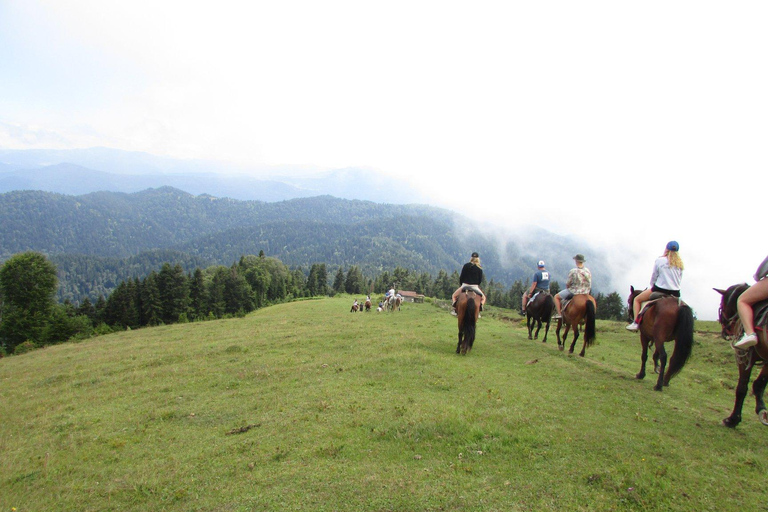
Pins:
x: 540, y: 284
x: 471, y: 275
x: 578, y: 282
x: 666, y: 277
x: 754, y: 294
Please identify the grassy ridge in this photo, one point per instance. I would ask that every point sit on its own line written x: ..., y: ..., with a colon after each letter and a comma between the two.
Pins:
x: 304, y: 406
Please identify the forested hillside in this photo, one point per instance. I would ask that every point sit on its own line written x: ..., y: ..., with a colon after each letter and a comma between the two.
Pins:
x: 98, y: 240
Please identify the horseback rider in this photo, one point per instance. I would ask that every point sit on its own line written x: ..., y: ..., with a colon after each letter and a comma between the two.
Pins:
x: 666, y: 277
x: 471, y: 276
x: 578, y: 282
x: 753, y: 295
x: 540, y: 284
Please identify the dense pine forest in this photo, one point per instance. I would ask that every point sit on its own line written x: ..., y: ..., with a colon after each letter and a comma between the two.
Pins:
x: 101, y: 239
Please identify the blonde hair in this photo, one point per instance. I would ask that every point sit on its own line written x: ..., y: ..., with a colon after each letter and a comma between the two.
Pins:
x: 475, y: 260
x: 673, y: 257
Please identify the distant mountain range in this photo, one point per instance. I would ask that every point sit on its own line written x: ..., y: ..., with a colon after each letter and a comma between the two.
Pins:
x: 83, y: 171
x: 104, y: 216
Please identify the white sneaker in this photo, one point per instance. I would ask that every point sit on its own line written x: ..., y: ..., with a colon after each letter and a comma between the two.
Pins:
x: 556, y: 316
x: 453, y: 312
x: 633, y: 326
x: 746, y: 341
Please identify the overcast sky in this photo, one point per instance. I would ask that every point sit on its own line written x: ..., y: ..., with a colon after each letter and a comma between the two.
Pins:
x: 627, y: 124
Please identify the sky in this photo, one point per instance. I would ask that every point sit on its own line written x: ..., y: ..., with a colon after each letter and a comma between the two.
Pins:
x: 623, y: 124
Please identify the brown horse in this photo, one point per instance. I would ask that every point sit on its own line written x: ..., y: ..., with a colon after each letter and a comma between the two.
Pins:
x: 468, y: 310
x: 664, y: 320
x: 746, y: 359
x: 367, y: 305
x: 580, y: 310
x: 538, y: 311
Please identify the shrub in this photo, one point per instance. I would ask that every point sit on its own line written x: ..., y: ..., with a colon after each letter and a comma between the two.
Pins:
x: 23, y: 348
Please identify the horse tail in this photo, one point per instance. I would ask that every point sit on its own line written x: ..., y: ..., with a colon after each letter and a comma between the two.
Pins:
x: 547, y: 308
x: 683, y: 341
x: 589, y: 329
x: 470, y: 323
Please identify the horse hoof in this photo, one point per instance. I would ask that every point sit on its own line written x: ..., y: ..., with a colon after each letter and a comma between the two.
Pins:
x: 658, y: 388
x: 640, y: 376
x: 729, y: 422
x: 763, y: 417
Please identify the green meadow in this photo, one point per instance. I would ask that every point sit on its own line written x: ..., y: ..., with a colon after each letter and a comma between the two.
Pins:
x: 305, y: 406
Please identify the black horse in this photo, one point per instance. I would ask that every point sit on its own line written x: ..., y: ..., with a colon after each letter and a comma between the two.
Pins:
x: 746, y: 359
x: 539, y: 310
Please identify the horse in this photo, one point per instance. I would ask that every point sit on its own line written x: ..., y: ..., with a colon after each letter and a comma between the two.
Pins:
x: 746, y: 359
x: 539, y: 310
x: 398, y: 301
x: 664, y: 320
x: 467, y: 310
x: 579, y: 310
x: 367, y: 305
x: 355, y: 308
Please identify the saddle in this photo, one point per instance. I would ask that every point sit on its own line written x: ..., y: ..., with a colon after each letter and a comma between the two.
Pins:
x: 467, y: 287
x: 654, y: 298
x: 760, y: 311
x: 532, y: 297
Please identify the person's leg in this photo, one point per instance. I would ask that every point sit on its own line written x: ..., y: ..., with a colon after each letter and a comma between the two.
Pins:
x: 639, y: 299
x: 557, y: 304
x: 525, y: 301
x: 754, y: 293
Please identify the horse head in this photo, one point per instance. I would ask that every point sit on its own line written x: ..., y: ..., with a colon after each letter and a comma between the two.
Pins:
x: 728, y: 315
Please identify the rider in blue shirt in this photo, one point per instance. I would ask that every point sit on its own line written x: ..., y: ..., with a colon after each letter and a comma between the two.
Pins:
x: 540, y: 284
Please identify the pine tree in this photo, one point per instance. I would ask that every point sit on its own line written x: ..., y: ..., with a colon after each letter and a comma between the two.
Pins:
x: 338, y: 281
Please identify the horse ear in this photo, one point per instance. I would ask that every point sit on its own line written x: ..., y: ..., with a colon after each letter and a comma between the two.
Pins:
x: 718, y: 290
x: 631, y: 289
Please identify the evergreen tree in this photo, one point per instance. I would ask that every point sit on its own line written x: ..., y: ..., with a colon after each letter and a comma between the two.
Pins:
x: 610, y: 307
x: 151, y: 303
x: 338, y: 281
x: 173, y: 288
x: 198, y: 296
x: 317, y: 283
x: 354, y: 282
x: 27, y: 287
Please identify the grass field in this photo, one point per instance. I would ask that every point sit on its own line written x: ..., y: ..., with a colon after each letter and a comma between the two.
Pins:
x: 305, y: 406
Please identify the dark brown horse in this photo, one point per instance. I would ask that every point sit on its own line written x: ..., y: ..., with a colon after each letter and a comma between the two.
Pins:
x: 580, y: 310
x: 746, y: 359
x: 538, y: 311
x: 664, y: 320
x: 367, y: 305
x: 468, y: 310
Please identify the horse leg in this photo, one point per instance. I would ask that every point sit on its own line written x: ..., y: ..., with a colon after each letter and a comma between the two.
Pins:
x: 575, y: 337
x: 758, y: 389
x: 662, y: 365
x: 546, y: 331
x: 644, y: 357
x: 458, y: 347
x: 538, y: 328
x: 529, y: 324
x: 741, y: 393
x: 560, y: 343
